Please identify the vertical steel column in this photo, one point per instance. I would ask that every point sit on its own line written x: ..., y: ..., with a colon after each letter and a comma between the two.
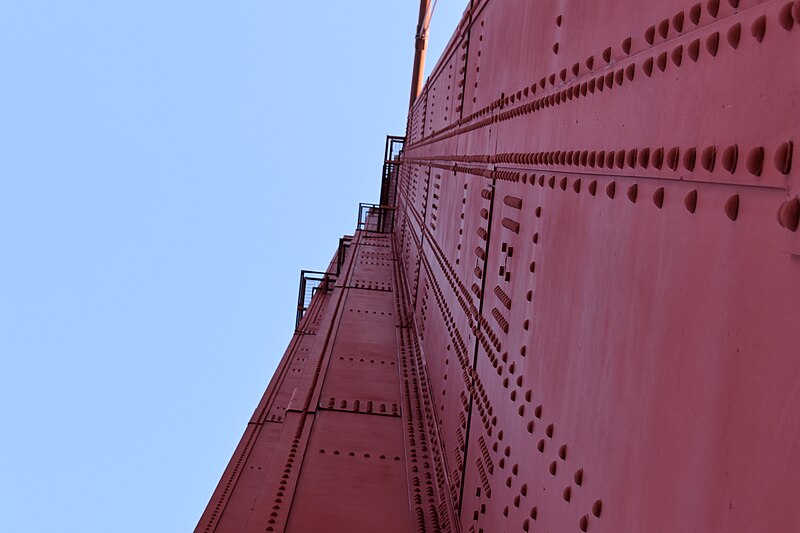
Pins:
x: 420, y: 47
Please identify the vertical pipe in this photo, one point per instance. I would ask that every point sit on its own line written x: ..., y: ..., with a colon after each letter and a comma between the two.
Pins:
x: 420, y: 47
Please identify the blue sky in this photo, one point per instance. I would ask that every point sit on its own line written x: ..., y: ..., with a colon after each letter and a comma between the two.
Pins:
x: 166, y: 169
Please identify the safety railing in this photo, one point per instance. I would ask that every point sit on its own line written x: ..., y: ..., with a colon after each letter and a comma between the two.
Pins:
x: 391, y: 157
x: 376, y: 218
x: 341, y: 252
x: 311, y: 281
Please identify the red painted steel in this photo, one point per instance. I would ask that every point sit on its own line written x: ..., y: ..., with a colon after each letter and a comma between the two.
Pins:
x: 420, y: 49
x: 585, y: 316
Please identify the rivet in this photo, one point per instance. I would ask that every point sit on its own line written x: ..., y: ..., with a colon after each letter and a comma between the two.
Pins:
x: 708, y: 158
x: 597, y: 508
x: 691, y: 201
x: 663, y: 28
x: 759, y: 28
x: 689, y: 158
x: 755, y: 160
x: 693, y: 49
x: 647, y: 66
x: 677, y: 21
x: 633, y: 192
x: 677, y: 55
x: 650, y: 34
x: 713, y: 7
x: 658, y: 157
x: 626, y: 46
x: 658, y: 197
x: 694, y: 14
x: 712, y: 43
x: 785, y: 16
x: 730, y: 157
x: 732, y: 207
x: 661, y: 61
x: 620, y: 159
x: 789, y: 214
x: 734, y: 35
x: 783, y: 157
x: 630, y: 158
x: 672, y: 157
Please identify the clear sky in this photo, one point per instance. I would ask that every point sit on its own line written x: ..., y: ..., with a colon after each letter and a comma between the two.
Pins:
x: 166, y: 169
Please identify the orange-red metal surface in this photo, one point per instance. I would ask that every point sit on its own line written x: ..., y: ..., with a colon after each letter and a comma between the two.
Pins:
x: 585, y: 315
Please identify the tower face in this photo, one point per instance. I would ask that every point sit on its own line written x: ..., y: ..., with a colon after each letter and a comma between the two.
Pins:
x: 345, y: 438
x: 577, y: 307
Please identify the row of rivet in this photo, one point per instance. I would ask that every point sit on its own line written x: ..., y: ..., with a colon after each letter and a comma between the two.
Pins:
x: 788, y: 212
x: 633, y: 158
x: 787, y: 16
